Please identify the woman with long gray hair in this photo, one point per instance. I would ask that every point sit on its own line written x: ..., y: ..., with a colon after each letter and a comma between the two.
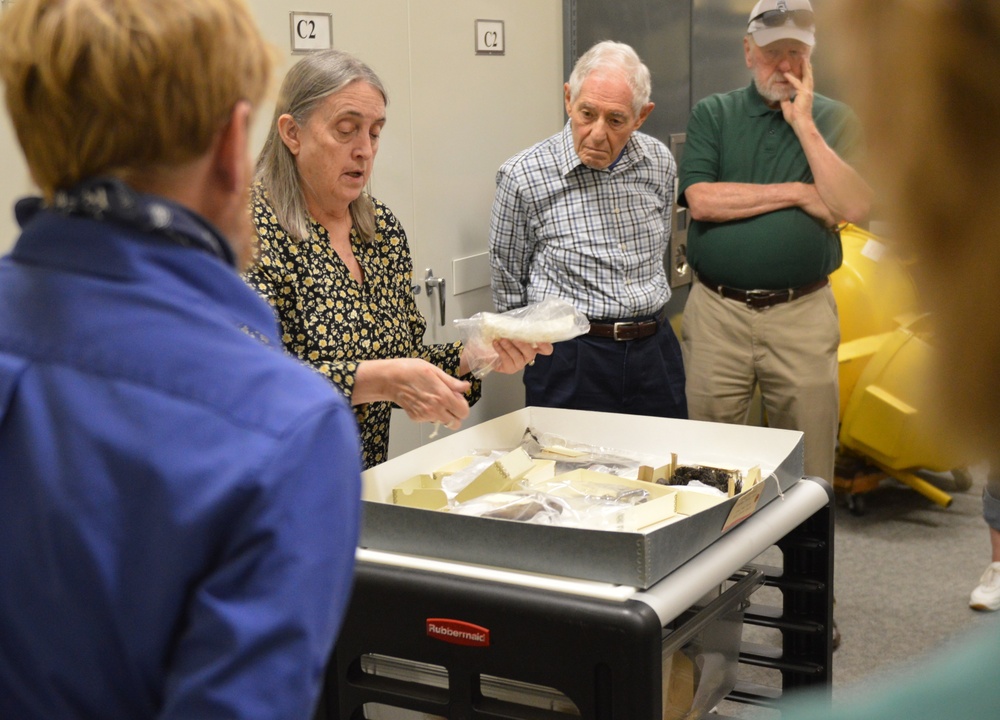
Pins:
x: 335, y: 264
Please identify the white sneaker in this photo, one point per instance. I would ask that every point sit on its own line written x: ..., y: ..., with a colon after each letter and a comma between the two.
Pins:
x: 987, y: 595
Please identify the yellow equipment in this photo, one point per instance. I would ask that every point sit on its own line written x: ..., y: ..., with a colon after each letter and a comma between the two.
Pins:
x: 887, y: 420
x: 875, y: 294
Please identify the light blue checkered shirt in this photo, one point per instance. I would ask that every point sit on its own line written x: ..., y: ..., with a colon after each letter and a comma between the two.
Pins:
x: 596, y: 238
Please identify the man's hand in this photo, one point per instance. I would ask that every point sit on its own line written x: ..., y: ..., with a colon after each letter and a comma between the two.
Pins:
x: 514, y: 354
x: 841, y: 189
x: 798, y: 110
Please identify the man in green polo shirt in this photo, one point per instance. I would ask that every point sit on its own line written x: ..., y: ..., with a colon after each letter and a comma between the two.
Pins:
x: 768, y: 175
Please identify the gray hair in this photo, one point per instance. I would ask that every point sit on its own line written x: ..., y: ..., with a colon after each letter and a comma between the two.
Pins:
x: 610, y: 54
x: 310, y: 81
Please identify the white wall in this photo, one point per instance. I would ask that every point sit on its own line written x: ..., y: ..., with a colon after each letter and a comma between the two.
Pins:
x: 14, y: 181
x: 453, y: 117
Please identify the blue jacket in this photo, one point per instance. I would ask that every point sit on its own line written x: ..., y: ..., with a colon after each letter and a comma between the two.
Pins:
x: 179, y: 499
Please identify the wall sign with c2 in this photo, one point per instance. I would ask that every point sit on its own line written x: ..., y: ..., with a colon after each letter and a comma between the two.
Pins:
x: 310, y: 31
x: 489, y: 37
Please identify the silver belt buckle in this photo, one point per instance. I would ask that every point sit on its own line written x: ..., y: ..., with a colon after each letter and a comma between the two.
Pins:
x: 753, y: 294
x: 614, y: 334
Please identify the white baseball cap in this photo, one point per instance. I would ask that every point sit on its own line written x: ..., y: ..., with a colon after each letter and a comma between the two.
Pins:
x: 772, y: 20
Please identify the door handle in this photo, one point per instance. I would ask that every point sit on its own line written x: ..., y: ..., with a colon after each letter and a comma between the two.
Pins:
x: 435, y: 283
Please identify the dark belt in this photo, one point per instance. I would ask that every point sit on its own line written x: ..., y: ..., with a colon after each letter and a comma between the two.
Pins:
x: 627, y: 329
x: 759, y: 299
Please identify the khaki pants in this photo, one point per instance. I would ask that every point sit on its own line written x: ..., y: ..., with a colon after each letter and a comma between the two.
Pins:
x: 789, y: 351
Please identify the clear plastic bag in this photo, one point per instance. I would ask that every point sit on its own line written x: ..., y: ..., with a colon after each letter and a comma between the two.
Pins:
x: 592, y: 504
x: 572, y: 455
x: 520, y: 505
x: 550, y: 320
x: 555, y: 502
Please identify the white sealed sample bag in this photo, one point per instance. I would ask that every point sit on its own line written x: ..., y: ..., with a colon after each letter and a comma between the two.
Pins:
x: 551, y: 320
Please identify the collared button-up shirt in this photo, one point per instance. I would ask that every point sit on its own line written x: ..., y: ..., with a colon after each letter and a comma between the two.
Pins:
x: 596, y: 238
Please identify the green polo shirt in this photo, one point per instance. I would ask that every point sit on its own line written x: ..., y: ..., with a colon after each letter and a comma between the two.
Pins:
x: 736, y: 137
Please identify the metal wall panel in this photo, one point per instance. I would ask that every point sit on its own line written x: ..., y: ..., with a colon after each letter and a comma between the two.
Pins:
x: 659, y: 30
x: 717, y: 30
x: 693, y: 48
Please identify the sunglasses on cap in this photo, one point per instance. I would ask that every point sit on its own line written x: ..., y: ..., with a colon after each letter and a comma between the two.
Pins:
x: 776, y: 18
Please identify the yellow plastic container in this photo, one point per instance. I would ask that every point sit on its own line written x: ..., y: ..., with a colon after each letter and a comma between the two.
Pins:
x: 886, y: 356
x: 875, y: 294
x: 890, y: 416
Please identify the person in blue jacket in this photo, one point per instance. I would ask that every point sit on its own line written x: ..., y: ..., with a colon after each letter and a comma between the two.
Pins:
x: 179, y: 498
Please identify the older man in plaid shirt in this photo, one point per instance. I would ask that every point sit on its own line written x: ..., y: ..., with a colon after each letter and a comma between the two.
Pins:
x: 585, y: 216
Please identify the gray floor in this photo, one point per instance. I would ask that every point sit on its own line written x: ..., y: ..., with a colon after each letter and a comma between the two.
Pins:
x: 904, y: 569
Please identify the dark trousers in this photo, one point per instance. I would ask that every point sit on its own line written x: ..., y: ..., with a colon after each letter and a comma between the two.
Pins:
x: 636, y: 377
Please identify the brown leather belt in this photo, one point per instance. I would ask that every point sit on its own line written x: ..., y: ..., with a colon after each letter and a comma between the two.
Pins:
x: 626, y: 329
x: 760, y: 299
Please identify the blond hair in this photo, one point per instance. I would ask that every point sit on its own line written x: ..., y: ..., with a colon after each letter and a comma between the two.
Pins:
x: 114, y: 87
x: 308, y: 83
x: 924, y: 78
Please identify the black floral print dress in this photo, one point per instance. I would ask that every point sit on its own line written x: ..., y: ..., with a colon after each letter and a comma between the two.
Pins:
x: 332, y: 323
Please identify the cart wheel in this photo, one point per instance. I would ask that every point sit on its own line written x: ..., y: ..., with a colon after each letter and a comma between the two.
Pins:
x: 856, y: 504
x: 963, y: 479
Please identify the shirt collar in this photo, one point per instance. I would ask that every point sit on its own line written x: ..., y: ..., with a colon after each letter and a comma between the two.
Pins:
x: 109, y: 200
x: 756, y: 105
x: 88, y: 246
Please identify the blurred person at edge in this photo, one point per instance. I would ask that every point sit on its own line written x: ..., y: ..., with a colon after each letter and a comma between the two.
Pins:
x: 179, y: 499
x: 335, y: 262
x: 931, y: 107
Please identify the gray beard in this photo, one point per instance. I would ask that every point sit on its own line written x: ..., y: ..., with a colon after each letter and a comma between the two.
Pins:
x: 769, y: 93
